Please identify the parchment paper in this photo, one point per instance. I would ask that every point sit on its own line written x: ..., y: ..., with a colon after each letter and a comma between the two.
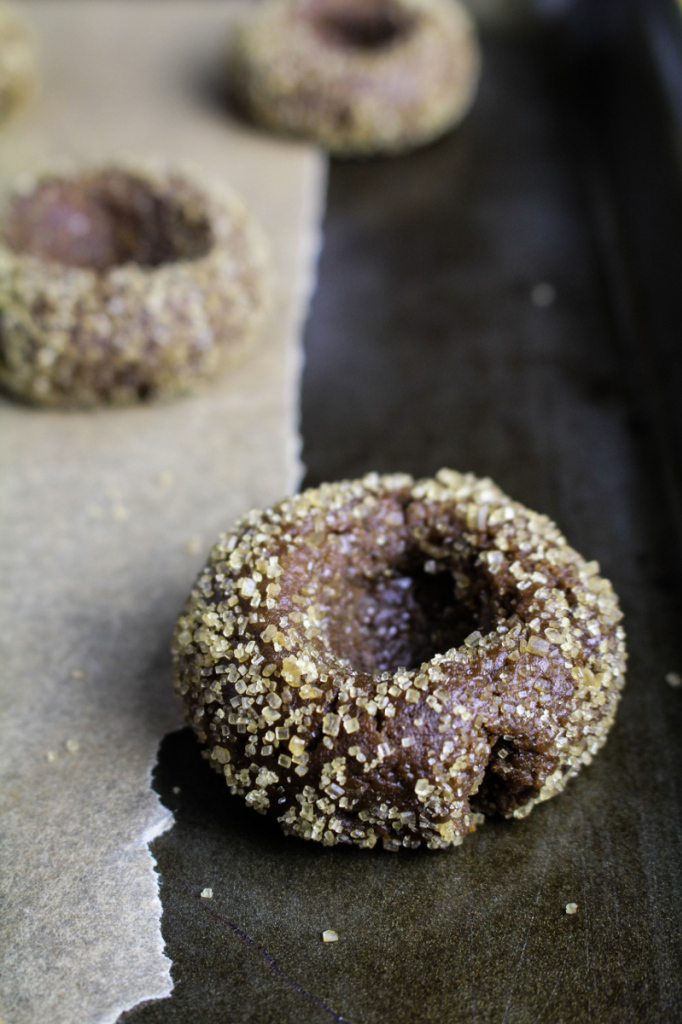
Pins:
x: 105, y: 517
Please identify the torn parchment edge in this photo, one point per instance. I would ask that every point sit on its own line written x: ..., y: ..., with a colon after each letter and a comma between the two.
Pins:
x: 307, y: 260
x: 164, y: 824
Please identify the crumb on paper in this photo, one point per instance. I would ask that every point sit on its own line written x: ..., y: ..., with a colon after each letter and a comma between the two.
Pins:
x: 207, y: 894
x: 73, y: 746
x: 77, y: 673
x: 674, y: 679
x: 543, y: 295
x: 330, y: 936
x: 571, y: 908
x: 165, y: 478
x: 194, y: 545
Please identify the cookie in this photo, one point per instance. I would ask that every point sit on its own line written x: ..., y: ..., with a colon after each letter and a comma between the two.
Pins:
x: 120, y: 284
x: 357, y: 76
x: 384, y: 660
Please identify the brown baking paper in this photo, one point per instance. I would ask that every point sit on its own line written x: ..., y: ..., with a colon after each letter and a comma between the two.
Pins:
x: 106, y: 516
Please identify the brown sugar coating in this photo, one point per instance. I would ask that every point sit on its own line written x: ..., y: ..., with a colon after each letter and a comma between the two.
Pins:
x: 119, y: 284
x: 385, y: 659
x: 357, y: 76
x: 18, y: 75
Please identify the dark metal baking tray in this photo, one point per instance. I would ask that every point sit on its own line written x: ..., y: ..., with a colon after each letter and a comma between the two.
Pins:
x: 425, y: 348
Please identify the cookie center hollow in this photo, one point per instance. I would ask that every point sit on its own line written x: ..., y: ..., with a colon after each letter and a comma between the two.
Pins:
x: 105, y: 220
x: 371, y: 25
x: 395, y: 606
x: 399, y: 621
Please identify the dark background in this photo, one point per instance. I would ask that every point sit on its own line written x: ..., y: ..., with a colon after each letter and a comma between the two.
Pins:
x: 425, y: 348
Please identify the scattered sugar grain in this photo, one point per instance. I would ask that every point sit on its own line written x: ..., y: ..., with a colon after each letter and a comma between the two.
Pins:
x: 330, y: 936
x: 51, y: 756
x: 176, y: 790
x: 194, y: 545
x: 571, y: 908
x: 674, y: 679
x: 77, y: 673
x: 73, y: 746
x: 165, y: 478
x: 207, y: 894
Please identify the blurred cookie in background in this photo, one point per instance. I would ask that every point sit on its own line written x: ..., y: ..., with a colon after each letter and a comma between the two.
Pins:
x: 357, y: 76
x: 121, y: 284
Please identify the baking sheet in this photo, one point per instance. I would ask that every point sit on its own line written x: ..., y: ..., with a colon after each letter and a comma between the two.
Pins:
x: 429, y: 343
x: 106, y: 516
